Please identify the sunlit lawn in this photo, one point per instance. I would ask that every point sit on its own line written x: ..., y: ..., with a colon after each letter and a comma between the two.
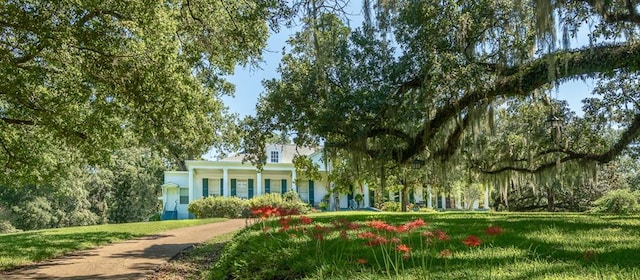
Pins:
x: 531, y: 246
x: 23, y: 248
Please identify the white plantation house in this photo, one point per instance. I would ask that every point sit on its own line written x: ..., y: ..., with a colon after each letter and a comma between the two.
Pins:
x: 231, y: 177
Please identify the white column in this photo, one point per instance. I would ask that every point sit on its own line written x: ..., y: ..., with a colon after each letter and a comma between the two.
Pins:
x: 430, y: 198
x: 365, y: 189
x: 486, y: 198
x: 225, y: 182
x: 444, y: 201
x: 293, y: 180
x: 190, y: 180
x: 458, y: 199
x: 258, y: 184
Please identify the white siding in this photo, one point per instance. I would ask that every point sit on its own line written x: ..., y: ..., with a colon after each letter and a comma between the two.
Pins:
x: 180, y: 178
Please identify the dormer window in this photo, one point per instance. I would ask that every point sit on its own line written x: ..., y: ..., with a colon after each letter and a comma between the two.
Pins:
x: 274, y: 156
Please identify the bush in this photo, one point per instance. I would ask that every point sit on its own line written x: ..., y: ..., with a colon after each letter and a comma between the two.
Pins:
x: 218, y: 207
x: 392, y: 206
x: 621, y: 201
x: 290, y: 200
x: 6, y: 227
x: 155, y: 217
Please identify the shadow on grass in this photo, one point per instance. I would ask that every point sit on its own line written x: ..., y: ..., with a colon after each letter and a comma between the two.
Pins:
x: 20, y: 249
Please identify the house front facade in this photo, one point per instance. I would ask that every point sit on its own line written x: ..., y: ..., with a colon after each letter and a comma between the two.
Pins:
x: 231, y: 177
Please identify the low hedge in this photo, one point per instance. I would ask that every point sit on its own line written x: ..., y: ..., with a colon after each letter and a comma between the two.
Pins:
x: 233, y: 207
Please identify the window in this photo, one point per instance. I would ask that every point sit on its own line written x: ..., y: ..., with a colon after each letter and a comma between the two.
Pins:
x: 303, y: 191
x: 184, y: 196
x: 274, y: 156
x: 242, y: 190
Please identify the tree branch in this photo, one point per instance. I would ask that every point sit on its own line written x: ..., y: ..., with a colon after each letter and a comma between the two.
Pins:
x: 630, y: 134
x: 17, y: 121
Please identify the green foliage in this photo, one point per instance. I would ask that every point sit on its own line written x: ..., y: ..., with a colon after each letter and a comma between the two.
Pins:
x: 391, y: 206
x: 621, y: 201
x: 323, y: 205
x: 290, y: 200
x: 156, y: 217
x: 292, y: 197
x: 135, y: 179
x: 122, y: 190
x: 218, y: 207
x: 104, y: 72
x: 7, y: 227
x: 233, y: 207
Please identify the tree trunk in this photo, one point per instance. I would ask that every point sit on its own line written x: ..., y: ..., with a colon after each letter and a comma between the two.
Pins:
x: 383, y: 183
x: 403, y: 196
x: 550, y: 199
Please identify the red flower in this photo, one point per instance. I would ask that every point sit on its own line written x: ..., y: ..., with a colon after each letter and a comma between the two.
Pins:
x: 305, y: 220
x: 442, y: 236
x: 265, y: 229
x: 494, y: 230
x: 362, y: 261
x: 366, y: 235
x: 395, y: 240
x: 343, y: 235
x: 403, y: 248
x: 408, y: 226
x: 284, y: 221
x: 472, y: 241
x: 428, y: 234
x: 445, y: 253
x: 285, y: 228
x: 378, y: 240
x: 382, y: 226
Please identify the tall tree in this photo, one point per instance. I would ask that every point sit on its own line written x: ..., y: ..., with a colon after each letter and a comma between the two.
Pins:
x: 83, y: 74
x: 428, y: 76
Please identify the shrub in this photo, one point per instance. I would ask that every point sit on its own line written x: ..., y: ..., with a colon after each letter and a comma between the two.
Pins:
x: 6, y: 227
x: 621, y: 201
x: 392, y: 206
x: 218, y: 207
x: 324, y: 206
x: 155, y: 217
x: 290, y: 200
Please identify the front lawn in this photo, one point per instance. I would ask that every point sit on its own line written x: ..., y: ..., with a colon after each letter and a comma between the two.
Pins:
x: 366, y: 245
x: 22, y: 248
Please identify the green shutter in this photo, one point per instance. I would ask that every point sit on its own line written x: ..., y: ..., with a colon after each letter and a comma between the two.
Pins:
x: 221, y: 187
x: 267, y: 185
x: 412, y: 197
x: 233, y: 187
x: 397, y: 197
x: 205, y: 187
x: 311, y: 194
x: 284, y: 186
x: 250, y: 187
x: 372, y: 198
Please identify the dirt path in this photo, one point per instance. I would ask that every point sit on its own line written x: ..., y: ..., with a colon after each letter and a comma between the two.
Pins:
x: 130, y: 259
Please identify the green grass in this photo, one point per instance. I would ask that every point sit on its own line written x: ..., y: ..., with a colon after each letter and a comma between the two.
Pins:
x: 532, y: 246
x: 17, y: 249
